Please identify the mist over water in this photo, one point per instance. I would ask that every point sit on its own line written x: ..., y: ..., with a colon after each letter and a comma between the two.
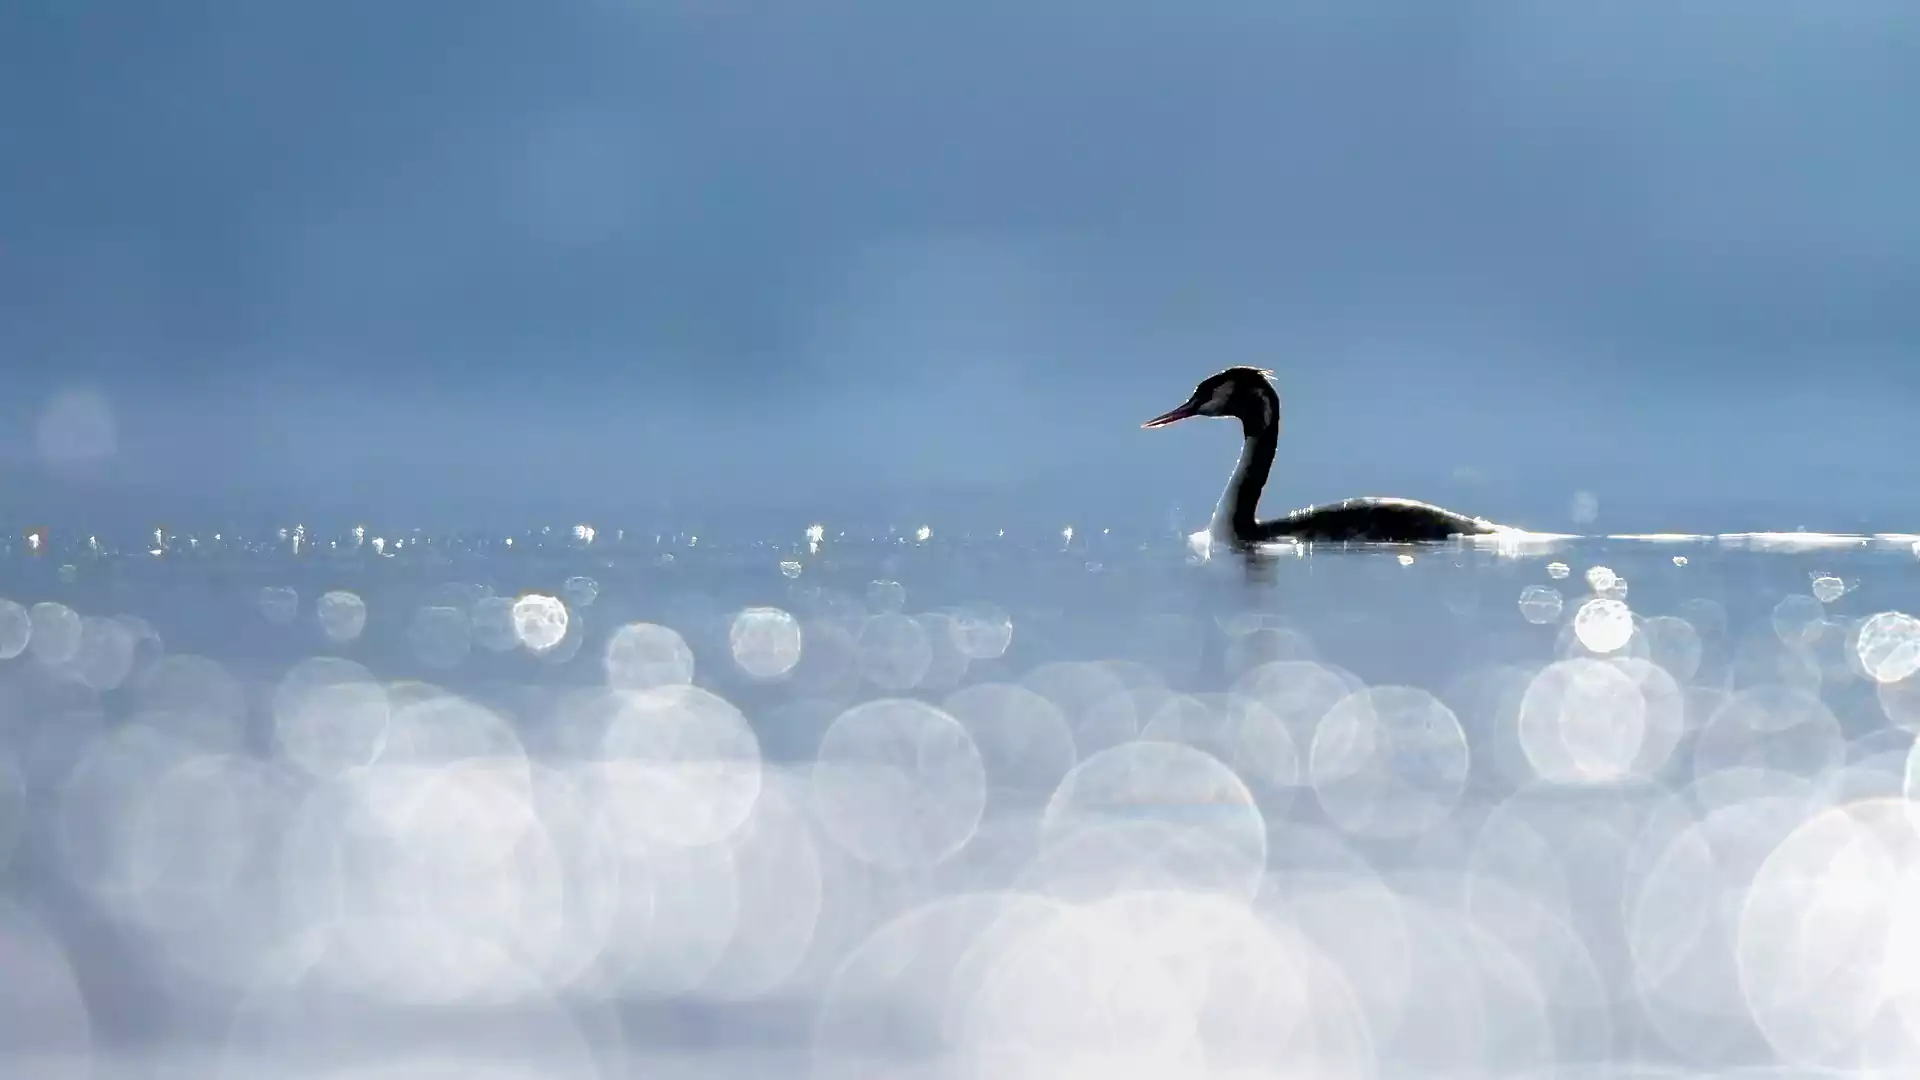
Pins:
x: 599, y: 804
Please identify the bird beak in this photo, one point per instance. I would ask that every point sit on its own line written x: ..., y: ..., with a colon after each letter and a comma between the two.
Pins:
x: 1173, y: 416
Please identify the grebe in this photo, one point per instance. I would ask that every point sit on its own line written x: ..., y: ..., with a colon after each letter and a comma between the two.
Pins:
x: 1248, y: 395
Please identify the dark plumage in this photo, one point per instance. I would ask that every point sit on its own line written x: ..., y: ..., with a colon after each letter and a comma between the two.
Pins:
x: 1247, y: 394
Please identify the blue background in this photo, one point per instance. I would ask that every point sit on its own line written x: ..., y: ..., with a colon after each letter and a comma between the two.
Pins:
x: 479, y: 262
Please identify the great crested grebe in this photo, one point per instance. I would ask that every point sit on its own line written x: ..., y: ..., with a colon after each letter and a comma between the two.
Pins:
x: 1247, y: 394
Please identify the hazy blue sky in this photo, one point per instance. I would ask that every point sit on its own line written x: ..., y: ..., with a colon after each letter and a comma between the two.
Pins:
x: 597, y: 256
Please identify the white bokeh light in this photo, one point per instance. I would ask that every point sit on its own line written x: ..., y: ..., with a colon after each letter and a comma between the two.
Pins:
x: 642, y: 656
x: 1889, y: 646
x: 16, y: 629
x: 765, y: 642
x: 1540, y: 604
x: 342, y: 615
x: 539, y: 621
x: 1603, y: 624
x: 899, y: 783
x: 680, y: 765
x: 1389, y: 761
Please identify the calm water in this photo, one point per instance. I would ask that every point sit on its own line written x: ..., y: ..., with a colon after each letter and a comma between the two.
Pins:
x: 943, y: 806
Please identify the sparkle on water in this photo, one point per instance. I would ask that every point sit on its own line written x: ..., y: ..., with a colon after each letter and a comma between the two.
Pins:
x: 539, y: 622
x: 564, y: 804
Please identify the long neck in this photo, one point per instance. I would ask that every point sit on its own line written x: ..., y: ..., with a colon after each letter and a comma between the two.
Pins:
x: 1234, y: 519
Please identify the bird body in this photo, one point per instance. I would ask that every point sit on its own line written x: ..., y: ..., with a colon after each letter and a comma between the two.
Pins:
x: 1374, y: 519
x: 1247, y: 394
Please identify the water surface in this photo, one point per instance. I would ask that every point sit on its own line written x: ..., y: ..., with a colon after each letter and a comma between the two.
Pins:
x: 907, y: 803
